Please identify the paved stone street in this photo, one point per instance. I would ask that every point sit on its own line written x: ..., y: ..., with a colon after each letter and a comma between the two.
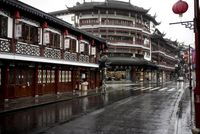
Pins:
x: 124, y: 109
x: 152, y: 112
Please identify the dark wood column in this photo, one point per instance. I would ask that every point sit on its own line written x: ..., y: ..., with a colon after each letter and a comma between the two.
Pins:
x: 35, y: 82
x: 133, y: 73
x: 5, y: 81
x: 56, y: 79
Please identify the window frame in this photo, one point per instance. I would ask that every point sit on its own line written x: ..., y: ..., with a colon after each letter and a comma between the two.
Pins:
x: 3, y: 28
x: 54, y: 39
x: 30, y: 33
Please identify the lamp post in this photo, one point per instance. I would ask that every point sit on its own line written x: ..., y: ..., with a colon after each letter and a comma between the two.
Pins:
x: 179, y: 8
x: 197, y: 57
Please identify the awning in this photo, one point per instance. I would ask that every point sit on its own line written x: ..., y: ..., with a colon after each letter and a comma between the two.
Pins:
x: 131, y: 61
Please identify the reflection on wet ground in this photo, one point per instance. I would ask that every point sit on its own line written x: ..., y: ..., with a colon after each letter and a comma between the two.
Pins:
x: 149, y: 113
x: 39, y: 118
x: 29, y: 120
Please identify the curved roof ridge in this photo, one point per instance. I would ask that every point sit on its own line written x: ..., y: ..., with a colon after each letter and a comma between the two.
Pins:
x: 115, y: 4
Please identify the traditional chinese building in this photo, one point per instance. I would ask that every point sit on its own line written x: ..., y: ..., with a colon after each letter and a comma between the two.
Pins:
x: 41, y: 54
x: 164, y: 55
x: 126, y: 28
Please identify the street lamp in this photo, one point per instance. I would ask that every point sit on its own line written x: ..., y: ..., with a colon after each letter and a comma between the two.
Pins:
x: 197, y: 57
x: 197, y: 54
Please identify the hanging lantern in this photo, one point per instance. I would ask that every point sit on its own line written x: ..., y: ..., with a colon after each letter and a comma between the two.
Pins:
x: 180, y: 7
x: 45, y: 25
x: 92, y: 42
x: 66, y: 32
x: 17, y: 15
x: 80, y: 37
x: 102, y: 46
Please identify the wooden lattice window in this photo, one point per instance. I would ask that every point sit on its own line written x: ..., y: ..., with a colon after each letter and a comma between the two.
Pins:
x: 3, y: 26
x: 66, y: 76
x: 21, y: 76
x: 48, y: 76
x: 29, y: 33
x: 39, y: 76
x: 54, y: 41
x: 52, y: 76
x: 70, y: 76
x: 44, y: 75
x: 73, y: 45
x: 60, y: 76
x: 86, y: 52
x: 63, y: 76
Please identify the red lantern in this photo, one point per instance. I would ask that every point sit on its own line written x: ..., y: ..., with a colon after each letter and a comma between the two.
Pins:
x: 180, y: 7
x: 92, y: 42
x: 102, y: 46
x: 80, y: 37
x: 45, y: 25
x: 66, y: 32
x: 17, y: 15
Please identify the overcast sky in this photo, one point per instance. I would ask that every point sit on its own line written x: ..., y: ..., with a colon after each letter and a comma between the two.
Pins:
x: 162, y: 8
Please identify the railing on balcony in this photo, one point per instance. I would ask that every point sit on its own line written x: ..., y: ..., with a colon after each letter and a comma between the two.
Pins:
x: 83, y: 58
x: 5, y: 45
x: 138, y: 41
x: 164, y: 53
x: 43, y: 51
x: 120, y: 50
x: 70, y: 56
x: 117, y: 24
x: 52, y: 53
x: 122, y: 41
x: 27, y: 49
x: 166, y: 65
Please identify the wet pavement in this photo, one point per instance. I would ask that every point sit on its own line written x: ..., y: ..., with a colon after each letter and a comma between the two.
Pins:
x: 148, y: 109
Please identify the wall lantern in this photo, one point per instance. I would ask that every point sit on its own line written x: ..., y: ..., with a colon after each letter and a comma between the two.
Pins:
x: 102, y: 46
x: 45, y: 25
x: 180, y: 7
x: 66, y: 32
x: 92, y: 42
x: 17, y: 15
x: 80, y: 37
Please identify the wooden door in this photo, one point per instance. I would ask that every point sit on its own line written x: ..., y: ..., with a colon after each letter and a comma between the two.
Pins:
x: 23, y: 82
x: 65, y: 80
x: 46, y: 81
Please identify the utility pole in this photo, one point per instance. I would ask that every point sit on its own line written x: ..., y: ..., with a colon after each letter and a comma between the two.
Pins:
x: 197, y: 58
x: 196, y: 22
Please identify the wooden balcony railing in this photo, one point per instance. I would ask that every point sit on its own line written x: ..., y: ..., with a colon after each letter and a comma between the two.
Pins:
x: 26, y: 49
x: 5, y: 45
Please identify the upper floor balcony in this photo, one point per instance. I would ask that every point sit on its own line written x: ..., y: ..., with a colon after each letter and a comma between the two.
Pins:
x: 164, y: 54
x: 113, y: 22
x: 28, y: 50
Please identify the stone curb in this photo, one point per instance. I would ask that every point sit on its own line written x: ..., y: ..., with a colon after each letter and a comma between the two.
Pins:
x: 48, y: 102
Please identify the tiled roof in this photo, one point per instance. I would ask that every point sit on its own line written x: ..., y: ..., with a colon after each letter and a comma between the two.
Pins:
x: 130, y: 61
x: 111, y: 4
x: 42, y: 16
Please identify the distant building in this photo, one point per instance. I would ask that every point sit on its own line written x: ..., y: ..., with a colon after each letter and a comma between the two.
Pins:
x: 41, y: 54
x: 165, y: 56
x: 127, y: 30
